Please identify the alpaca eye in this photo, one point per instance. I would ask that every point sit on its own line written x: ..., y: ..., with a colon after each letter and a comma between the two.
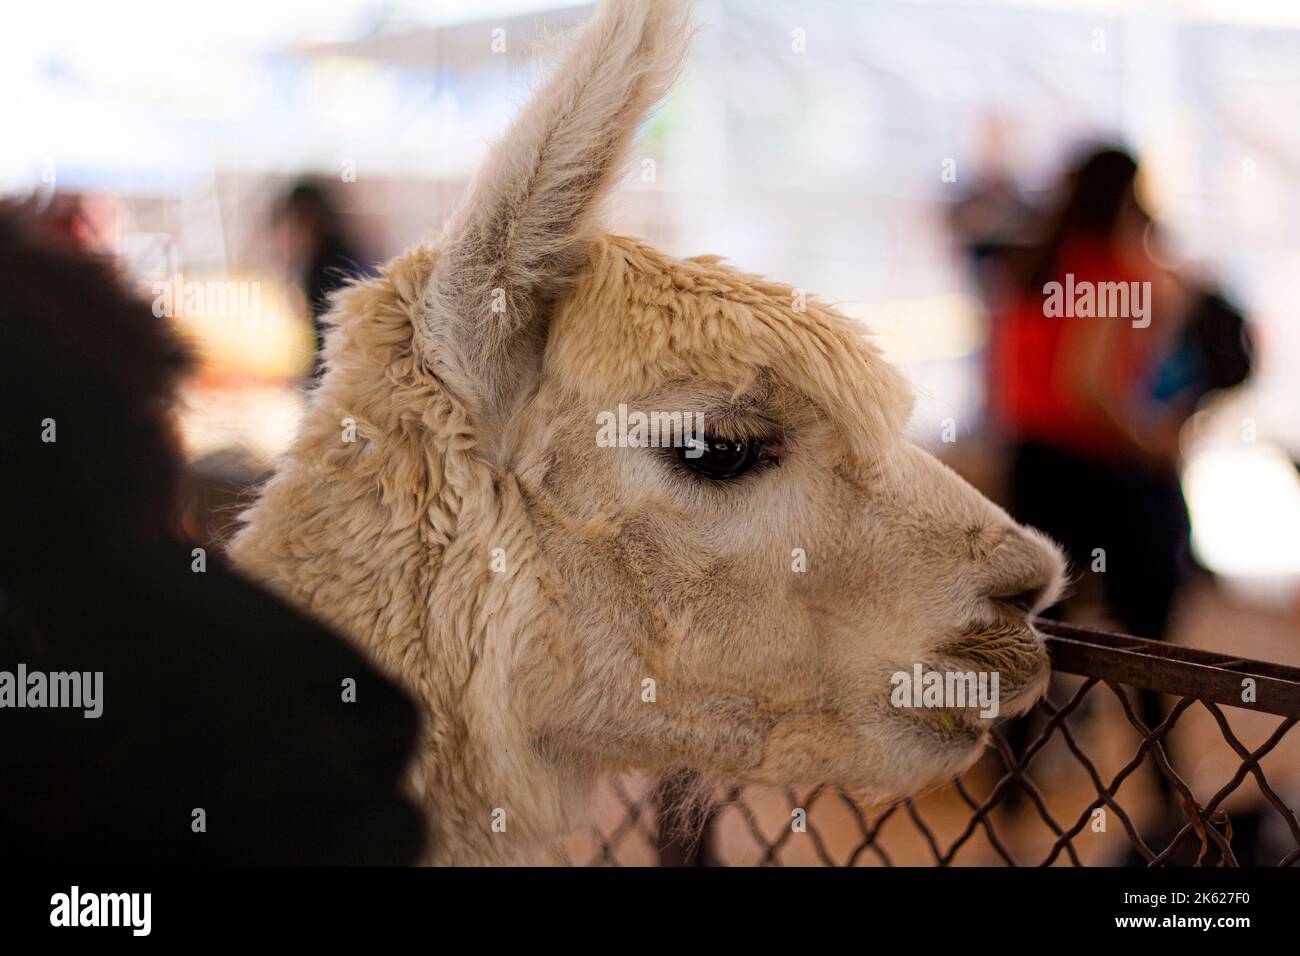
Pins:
x: 719, y: 458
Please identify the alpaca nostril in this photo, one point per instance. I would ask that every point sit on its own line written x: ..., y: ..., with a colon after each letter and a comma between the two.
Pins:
x: 1023, y: 600
x: 1028, y: 575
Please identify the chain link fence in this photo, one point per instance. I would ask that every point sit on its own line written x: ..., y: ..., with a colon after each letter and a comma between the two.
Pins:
x: 1137, y: 756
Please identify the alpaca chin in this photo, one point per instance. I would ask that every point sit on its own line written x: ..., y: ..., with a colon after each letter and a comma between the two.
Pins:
x: 1031, y: 689
x: 924, y: 762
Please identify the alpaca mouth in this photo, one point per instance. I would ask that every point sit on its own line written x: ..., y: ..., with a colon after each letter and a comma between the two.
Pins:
x: 988, y: 671
x: 1010, y: 648
x: 1013, y: 651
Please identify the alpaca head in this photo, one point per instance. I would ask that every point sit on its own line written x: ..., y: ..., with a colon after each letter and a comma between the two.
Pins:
x: 741, y: 579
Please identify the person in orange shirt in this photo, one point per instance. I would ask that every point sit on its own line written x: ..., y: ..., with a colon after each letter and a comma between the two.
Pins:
x: 1093, y: 454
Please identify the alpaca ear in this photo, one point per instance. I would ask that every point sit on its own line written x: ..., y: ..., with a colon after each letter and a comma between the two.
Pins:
x: 522, y: 233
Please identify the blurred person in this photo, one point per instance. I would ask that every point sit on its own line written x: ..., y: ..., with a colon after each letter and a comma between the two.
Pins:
x: 992, y: 217
x: 1094, y: 404
x: 1094, y: 450
x: 321, y: 253
x: 212, y: 722
x: 1094, y: 453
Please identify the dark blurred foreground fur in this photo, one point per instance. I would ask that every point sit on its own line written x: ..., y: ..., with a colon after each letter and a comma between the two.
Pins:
x: 216, y: 696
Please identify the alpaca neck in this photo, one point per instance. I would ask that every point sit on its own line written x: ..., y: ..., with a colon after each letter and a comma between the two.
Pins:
x: 478, y: 817
x: 494, y: 793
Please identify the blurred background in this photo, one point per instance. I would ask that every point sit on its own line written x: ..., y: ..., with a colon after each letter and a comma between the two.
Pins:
x: 910, y: 162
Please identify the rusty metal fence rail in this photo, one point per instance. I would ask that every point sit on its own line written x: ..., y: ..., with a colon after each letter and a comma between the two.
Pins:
x: 1150, y: 688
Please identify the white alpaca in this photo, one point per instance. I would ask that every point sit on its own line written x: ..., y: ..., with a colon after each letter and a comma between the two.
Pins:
x: 566, y: 609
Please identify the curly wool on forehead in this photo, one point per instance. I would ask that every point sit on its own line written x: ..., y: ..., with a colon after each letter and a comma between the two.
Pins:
x: 637, y: 318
